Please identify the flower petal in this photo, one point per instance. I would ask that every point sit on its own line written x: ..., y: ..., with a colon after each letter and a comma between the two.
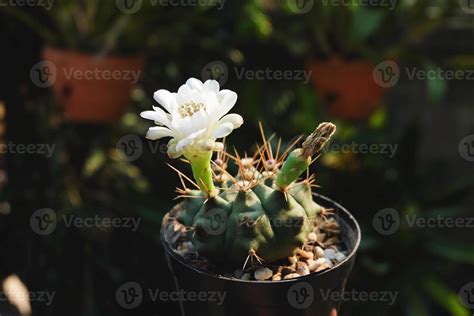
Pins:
x: 212, y: 85
x: 158, y: 132
x: 194, y: 83
x: 165, y: 98
x: 227, y: 100
x: 183, y: 143
x: 197, y: 134
x: 172, y: 152
x: 233, y: 118
x: 184, y: 93
x: 223, y: 130
x: 189, y: 140
x: 158, y: 116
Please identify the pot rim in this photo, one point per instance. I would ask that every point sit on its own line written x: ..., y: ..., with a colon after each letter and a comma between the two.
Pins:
x: 301, y: 278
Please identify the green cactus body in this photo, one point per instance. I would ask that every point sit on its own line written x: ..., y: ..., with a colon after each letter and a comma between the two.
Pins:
x: 262, y: 219
x: 262, y: 212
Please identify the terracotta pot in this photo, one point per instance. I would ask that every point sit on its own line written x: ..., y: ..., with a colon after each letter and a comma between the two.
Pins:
x: 92, y: 88
x: 348, y: 86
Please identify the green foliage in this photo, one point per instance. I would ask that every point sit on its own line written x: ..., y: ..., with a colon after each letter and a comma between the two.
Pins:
x: 92, y: 25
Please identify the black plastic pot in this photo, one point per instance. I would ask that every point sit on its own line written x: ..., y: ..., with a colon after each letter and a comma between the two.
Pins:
x: 316, y: 294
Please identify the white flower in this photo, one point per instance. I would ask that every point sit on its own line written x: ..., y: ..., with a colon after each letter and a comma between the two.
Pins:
x: 196, y: 117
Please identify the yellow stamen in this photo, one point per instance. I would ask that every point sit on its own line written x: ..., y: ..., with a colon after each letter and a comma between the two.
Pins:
x: 189, y: 108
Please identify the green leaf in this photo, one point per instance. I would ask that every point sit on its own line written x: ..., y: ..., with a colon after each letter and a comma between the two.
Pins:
x: 364, y: 23
x: 379, y: 118
x: 445, y: 297
x: 436, y: 85
x: 456, y: 252
x: 416, y: 306
x: 94, y: 163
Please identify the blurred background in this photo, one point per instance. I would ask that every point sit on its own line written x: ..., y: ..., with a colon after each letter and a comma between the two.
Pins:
x: 396, y: 76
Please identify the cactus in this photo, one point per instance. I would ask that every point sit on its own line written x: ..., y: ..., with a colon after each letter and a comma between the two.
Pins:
x: 261, y: 213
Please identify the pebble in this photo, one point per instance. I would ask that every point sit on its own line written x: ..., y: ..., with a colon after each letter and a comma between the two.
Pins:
x: 321, y: 261
x: 303, y: 270
x: 340, y: 257
x: 246, y: 276
x: 312, y: 237
x: 319, y: 252
x: 306, y: 254
x: 293, y: 259
x: 263, y: 274
x: 291, y: 276
x: 322, y: 267
x: 312, y: 265
x: 287, y: 270
x: 330, y: 254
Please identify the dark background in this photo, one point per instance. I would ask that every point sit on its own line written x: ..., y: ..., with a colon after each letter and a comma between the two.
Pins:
x: 87, y: 174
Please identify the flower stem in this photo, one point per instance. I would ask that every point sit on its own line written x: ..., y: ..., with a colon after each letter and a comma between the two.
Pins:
x: 202, y: 172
